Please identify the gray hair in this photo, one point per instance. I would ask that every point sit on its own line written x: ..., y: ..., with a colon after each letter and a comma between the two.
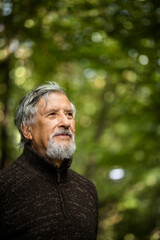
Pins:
x: 25, y: 112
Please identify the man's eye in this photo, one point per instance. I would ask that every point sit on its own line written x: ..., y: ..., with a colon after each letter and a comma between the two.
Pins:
x: 70, y: 114
x: 52, y: 114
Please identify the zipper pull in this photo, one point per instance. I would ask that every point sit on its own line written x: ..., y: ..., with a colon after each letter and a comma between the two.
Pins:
x: 58, y: 176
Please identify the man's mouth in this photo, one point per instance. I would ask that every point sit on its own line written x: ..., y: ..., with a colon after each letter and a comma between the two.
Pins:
x: 63, y: 134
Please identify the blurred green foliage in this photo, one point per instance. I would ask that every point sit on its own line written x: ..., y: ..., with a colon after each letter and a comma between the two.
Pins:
x: 106, y: 54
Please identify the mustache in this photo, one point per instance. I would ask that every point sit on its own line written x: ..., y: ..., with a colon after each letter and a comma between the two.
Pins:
x: 62, y: 131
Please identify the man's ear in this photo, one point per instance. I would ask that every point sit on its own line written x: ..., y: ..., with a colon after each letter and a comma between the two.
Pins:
x: 26, y: 131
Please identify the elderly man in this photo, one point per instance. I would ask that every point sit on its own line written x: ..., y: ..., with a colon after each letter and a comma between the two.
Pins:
x: 41, y: 198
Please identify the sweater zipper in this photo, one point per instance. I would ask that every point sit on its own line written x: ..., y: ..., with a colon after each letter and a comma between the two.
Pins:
x: 66, y: 213
x: 58, y: 176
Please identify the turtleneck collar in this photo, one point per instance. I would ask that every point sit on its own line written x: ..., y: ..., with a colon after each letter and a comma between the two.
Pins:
x: 36, y: 163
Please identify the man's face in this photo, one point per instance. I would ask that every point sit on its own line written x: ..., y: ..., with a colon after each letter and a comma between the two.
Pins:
x: 50, y: 118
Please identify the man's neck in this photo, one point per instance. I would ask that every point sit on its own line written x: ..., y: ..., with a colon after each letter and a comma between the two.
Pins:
x: 57, y: 162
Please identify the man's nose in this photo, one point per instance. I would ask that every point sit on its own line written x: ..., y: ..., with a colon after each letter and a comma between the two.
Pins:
x: 64, y: 121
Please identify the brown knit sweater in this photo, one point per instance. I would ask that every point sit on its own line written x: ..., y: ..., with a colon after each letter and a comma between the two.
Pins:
x: 38, y: 201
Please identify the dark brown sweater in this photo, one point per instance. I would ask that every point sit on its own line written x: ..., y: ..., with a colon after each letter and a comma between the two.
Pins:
x: 40, y: 202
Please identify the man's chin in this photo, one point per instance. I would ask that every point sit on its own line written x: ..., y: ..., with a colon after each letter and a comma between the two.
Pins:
x: 60, y: 139
x: 63, y: 143
x: 60, y: 151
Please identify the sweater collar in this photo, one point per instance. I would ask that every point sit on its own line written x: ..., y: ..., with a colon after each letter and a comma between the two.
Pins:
x: 38, y: 164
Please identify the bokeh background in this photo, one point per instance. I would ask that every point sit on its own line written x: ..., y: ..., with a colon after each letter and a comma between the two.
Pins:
x: 106, y: 54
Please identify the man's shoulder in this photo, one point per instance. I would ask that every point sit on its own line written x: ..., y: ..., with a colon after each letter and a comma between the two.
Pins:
x: 83, y: 181
x: 8, y: 170
x: 9, y: 174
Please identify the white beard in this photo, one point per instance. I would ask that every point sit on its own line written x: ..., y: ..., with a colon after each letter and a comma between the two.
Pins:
x: 60, y: 151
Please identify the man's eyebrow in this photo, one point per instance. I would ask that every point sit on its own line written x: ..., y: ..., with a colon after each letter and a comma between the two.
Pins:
x: 57, y: 109
x: 53, y: 109
x: 68, y: 110
x: 46, y: 111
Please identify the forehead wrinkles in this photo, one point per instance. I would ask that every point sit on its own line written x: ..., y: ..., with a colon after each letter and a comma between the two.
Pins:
x: 43, y: 102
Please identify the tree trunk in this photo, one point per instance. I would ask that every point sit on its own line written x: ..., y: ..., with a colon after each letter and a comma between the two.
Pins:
x: 4, y: 67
